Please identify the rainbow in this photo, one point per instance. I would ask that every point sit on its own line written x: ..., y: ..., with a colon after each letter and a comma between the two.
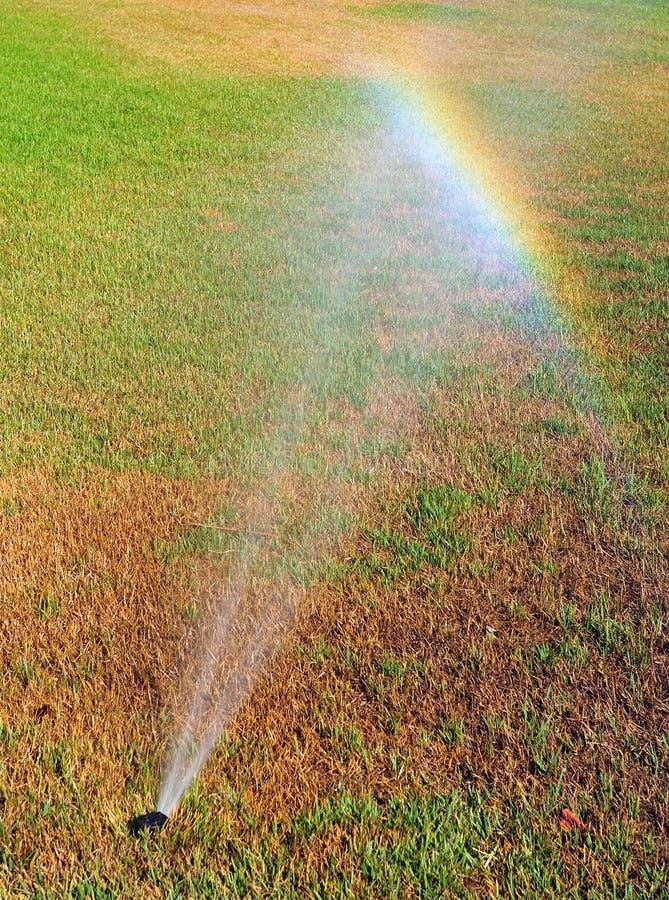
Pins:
x: 498, y: 227
x: 448, y: 145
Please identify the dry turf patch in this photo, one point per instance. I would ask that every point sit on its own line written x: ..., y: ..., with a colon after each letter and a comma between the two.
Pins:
x: 89, y: 618
x: 497, y: 633
x: 493, y: 623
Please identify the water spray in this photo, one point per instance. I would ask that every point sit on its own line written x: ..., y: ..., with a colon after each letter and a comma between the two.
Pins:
x: 239, y: 639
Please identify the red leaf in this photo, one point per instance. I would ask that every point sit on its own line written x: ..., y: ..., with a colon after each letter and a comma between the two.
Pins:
x: 569, y: 821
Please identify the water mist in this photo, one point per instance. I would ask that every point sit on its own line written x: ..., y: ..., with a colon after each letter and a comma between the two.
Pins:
x: 236, y: 643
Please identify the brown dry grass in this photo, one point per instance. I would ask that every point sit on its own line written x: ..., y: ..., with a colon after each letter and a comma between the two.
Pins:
x: 79, y: 573
x: 427, y: 682
x: 97, y: 627
x: 468, y: 647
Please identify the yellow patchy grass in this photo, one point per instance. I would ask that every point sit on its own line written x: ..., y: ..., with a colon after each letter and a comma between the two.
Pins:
x: 336, y: 37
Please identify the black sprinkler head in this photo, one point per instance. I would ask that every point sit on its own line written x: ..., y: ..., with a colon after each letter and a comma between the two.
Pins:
x: 150, y: 822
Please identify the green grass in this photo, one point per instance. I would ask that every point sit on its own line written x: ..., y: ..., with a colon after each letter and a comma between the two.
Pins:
x: 210, y: 276
x: 148, y: 254
x: 158, y: 231
x: 178, y: 297
x: 450, y: 844
x: 429, y: 534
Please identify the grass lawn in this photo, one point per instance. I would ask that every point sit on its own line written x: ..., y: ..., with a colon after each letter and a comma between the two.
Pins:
x: 361, y: 307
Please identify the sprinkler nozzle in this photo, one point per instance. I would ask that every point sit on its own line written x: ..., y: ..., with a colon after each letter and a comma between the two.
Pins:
x: 151, y: 822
